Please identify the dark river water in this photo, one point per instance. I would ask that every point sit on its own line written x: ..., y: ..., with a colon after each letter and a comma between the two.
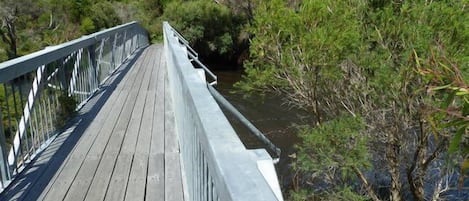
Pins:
x: 275, y: 119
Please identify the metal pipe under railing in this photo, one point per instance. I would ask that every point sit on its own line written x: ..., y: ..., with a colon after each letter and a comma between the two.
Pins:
x: 257, y: 133
x: 212, y: 75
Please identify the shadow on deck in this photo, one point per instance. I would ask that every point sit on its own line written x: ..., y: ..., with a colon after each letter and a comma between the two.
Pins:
x: 114, y: 149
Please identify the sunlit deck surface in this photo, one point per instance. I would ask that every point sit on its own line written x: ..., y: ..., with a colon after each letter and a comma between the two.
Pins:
x: 121, y: 146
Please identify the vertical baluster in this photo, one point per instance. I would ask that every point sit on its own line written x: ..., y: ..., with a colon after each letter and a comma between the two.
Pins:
x: 209, y: 185
x: 4, y: 167
x: 193, y: 165
x: 96, y: 61
x: 113, y: 52
x: 38, y: 109
x: 79, y: 69
x: 108, y: 56
x: 53, y: 91
x: 49, y: 112
x: 36, y: 127
x: 132, y: 43
x: 26, y: 105
x: 129, y: 40
x: 55, y: 100
x: 123, y: 48
x: 85, y: 69
x: 196, y: 169
x: 78, y: 75
x: 204, y: 178
x: 42, y: 120
x: 17, y: 122
x: 117, y: 49
x: 199, y: 170
x: 70, y: 86
x: 41, y: 103
x: 50, y: 84
x: 89, y: 72
x: 45, y: 117
x: 12, y: 133
x: 214, y: 192
x: 98, y: 66
x: 33, y: 118
x: 75, y: 75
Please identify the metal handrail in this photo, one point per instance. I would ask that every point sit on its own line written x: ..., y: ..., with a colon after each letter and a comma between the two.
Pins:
x: 216, y: 164
x: 32, y: 87
x: 194, y: 56
x: 256, y: 132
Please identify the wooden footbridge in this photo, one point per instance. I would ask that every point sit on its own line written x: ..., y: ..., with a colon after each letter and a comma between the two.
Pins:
x: 147, y: 126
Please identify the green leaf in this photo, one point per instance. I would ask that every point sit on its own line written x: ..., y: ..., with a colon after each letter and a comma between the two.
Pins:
x: 462, y: 92
x: 448, y: 100
x: 441, y: 87
x: 456, y: 141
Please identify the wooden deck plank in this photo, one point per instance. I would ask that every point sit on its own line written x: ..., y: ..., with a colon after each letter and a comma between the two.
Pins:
x: 172, y: 179
x: 117, y: 187
x: 137, y: 177
x: 155, y: 174
x: 99, y: 184
x: 78, y: 155
x: 155, y: 177
x: 127, y: 151
x: 86, y: 173
x: 52, y: 158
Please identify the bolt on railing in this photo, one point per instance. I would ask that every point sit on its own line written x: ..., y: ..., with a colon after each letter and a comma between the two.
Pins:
x: 39, y: 91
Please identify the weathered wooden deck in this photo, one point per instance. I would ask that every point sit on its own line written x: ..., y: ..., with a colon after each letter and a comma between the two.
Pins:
x: 122, y: 145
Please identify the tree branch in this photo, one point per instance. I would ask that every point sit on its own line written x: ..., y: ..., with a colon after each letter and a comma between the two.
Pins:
x: 368, y: 187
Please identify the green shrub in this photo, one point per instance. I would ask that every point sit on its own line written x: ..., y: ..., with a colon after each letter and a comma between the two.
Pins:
x: 65, y: 109
x: 206, y: 25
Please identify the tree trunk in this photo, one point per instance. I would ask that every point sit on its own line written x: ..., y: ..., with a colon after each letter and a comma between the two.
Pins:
x: 416, y: 172
x: 9, y: 37
x: 368, y: 188
x: 392, y: 155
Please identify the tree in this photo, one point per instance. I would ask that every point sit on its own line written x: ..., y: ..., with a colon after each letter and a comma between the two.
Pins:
x: 375, y: 59
x: 206, y: 25
x: 334, y: 153
x: 298, y: 52
x: 9, y: 13
x: 407, y: 38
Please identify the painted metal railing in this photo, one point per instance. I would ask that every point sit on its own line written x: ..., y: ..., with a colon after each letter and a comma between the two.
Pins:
x: 216, y: 164
x: 36, y: 89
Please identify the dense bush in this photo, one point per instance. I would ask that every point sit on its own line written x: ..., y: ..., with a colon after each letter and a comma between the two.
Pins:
x: 206, y: 25
x: 401, y: 65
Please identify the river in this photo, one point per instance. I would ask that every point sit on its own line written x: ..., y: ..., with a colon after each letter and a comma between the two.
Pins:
x: 270, y: 116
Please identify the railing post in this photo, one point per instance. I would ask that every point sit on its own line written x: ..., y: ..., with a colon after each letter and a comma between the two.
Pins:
x: 131, y: 49
x: 4, y: 167
x: 61, y: 74
x: 100, y: 59
x: 94, y: 66
x: 113, y: 52
x: 123, y: 47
